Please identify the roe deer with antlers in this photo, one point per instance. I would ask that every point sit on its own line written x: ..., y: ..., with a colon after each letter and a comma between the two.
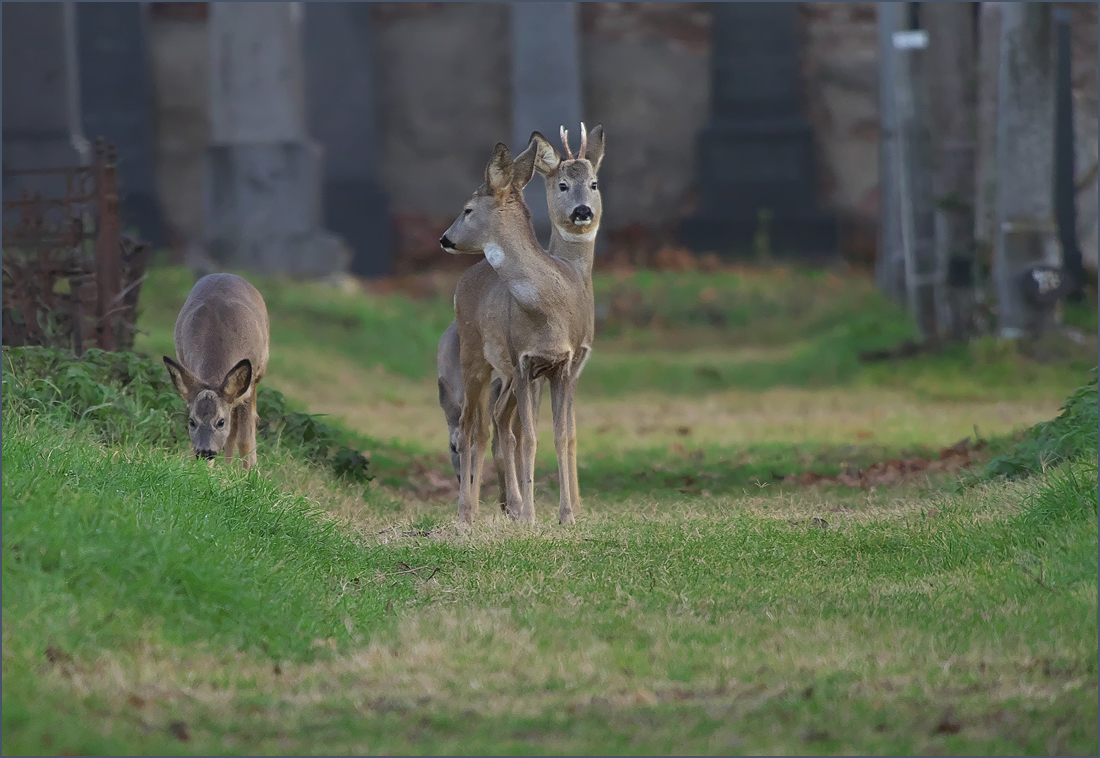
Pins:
x: 531, y: 320
x: 222, y: 346
x: 576, y: 208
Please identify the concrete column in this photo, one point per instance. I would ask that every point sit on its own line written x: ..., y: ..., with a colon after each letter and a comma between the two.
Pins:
x: 546, y: 86
x: 263, y: 176
x: 41, y: 99
x: 890, y: 266
x: 1027, y: 234
x: 342, y: 116
x: 116, y: 103
x: 989, y: 65
x: 951, y: 68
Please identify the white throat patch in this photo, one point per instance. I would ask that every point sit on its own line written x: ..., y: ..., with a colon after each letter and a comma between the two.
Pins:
x: 494, y: 254
x: 570, y: 237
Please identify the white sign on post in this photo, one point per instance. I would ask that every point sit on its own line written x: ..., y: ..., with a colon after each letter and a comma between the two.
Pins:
x: 912, y: 40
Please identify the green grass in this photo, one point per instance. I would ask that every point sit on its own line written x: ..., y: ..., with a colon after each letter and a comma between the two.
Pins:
x: 686, y: 632
x: 153, y: 604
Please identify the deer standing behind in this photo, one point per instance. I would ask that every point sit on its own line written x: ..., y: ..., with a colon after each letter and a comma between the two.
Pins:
x: 575, y: 213
x: 222, y: 346
x: 530, y: 321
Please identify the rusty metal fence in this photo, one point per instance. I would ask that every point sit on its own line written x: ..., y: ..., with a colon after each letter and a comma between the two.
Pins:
x: 71, y: 278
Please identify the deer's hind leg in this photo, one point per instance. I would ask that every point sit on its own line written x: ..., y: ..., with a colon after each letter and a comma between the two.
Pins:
x: 474, y: 429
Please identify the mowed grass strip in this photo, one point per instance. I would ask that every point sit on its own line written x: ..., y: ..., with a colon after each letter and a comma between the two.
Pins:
x: 153, y: 604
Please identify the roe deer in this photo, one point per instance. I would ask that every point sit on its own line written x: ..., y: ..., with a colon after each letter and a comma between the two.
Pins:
x: 528, y: 322
x: 576, y: 208
x: 222, y: 345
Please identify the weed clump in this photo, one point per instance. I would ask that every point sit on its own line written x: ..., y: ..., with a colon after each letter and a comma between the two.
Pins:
x: 1070, y: 435
x: 126, y: 398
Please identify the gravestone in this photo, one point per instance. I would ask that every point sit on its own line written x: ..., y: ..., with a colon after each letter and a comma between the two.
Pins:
x: 756, y: 153
x: 41, y: 119
x: 546, y: 87
x: 342, y: 117
x: 263, y: 177
x: 116, y: 103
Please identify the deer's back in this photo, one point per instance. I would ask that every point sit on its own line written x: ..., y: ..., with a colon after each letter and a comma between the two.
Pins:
x: 223, y: 321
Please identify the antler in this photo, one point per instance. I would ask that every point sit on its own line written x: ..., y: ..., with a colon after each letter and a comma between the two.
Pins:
x: 565, y: 142
x: 584, y: 142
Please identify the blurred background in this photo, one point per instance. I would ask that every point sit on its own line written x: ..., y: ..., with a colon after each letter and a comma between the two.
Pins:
x: 822, y: 197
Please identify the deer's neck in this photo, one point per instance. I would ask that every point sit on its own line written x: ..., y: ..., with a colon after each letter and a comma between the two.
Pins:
x: 578, y: 250
x: 522, y: 265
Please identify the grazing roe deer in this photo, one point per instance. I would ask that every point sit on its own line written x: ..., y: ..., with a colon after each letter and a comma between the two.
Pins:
x: 528, y: 322
x: 222, y: 347
x: 576, y: 208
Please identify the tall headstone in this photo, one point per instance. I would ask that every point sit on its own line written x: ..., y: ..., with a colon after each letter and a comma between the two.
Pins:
x: 116, y: 103
x: 41, y: 99
x: 756, y: 156
x: 263, y: 177
x: 1027, y: 251
x: 546, y: 86
x: 343, y: 118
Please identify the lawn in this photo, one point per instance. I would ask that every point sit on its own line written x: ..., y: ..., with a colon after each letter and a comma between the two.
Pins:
x: 706, y: 602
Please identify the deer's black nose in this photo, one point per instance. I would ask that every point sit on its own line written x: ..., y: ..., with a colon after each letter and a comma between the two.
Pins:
x: 445, y: 243
x: 581, y: 213
x: 206, y: 455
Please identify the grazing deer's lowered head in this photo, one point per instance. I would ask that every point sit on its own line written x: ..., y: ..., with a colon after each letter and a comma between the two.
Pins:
x: 210, y: 408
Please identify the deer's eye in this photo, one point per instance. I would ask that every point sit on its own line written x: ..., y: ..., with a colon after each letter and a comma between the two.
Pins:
x: 593, y: 185
x: 221, y: 423
x: 191, y: 423
x: 563, y: 186
x: 467, y: 211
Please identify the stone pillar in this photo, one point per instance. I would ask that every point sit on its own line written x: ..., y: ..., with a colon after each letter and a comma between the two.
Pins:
x: 546, y: 86
x: 1065, y: 202
x: 263, y: 176
x: 180, y: 59
x: 890, y: 266
x: 756, y: 156
x: 41, y: 99
x: 951, y: 66
x: 1027, y: 249
x: 985, y: 178
x: 342, y: 117
x: 116, y: 103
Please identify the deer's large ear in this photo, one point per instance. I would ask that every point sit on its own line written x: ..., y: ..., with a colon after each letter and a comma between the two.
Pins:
x: 594, y: 153
x: 498, y: 174
x: 547, y: 159
x: 236, y: 382
x: 184, y: 381
x: 524, y: 167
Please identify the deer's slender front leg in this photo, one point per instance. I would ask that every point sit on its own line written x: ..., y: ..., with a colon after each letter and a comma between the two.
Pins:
x: 525, y: 389
x: 505, y: 414
x: 246, y: 435
x: 474, y: 428
x: 234, y: 422
x: 498, y: 389
x: 559, y: 402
